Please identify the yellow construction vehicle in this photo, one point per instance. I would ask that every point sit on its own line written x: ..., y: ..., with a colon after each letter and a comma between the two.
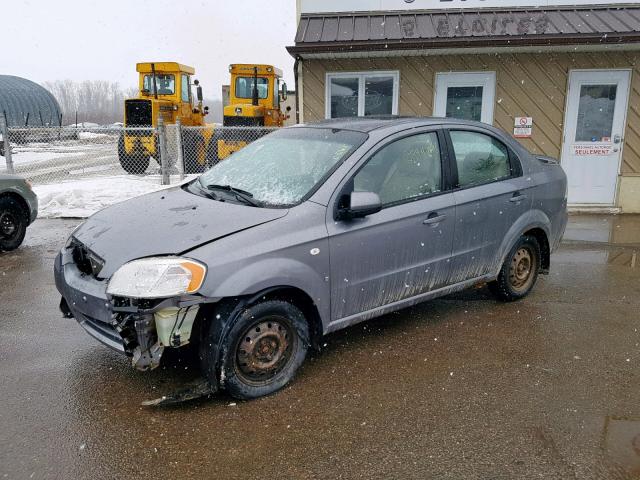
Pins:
x: 254, y: 101
x: 165, y: 91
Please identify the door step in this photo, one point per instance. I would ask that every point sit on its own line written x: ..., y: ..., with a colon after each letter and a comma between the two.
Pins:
x: 595, y: 209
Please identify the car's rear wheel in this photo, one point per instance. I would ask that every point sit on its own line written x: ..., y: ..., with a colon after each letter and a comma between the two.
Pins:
x: 262, y: 350
x: 13, y: 223
x: 519, y: 271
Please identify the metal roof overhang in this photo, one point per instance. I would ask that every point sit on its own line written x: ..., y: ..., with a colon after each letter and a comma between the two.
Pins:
x: 510, y: 45
x: 591, y: 28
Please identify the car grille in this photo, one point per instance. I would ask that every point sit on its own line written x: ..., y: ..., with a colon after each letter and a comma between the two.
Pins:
x: 87, y: 262
x: 101, y: 331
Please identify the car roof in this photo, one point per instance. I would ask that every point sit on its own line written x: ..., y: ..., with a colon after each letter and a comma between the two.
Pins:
x: 8, y: 176
x: 369, y: 124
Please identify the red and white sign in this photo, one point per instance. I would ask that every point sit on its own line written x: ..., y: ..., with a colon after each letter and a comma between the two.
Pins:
x: 523, y: 127
x: 597, y: 149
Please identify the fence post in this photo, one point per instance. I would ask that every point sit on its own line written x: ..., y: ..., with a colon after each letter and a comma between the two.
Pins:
x: 179, y: 145
x: 164, y: 160
x: 7, y: 145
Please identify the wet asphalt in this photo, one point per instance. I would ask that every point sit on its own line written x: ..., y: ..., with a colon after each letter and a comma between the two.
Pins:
x: 460, y: 387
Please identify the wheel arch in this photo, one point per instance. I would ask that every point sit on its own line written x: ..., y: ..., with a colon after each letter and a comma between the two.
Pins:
x: 300, y: 299
x: 232, y: 306
x: 545, y: 250
x: 535, y: 223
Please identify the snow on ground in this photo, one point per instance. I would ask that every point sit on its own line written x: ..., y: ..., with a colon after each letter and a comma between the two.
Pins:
x: 82, y: 198
x: 91, y: 135
x: 22, y: 156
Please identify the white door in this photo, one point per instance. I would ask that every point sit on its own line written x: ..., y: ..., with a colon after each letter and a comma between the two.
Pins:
x: 465, y: 95
x: 593, y: 127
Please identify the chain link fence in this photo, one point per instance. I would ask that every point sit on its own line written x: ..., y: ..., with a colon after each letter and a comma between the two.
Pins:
x: 166, y: 153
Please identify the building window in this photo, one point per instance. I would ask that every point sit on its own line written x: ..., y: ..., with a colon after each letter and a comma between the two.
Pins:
x: 465, y: 95
x: 361, y: 94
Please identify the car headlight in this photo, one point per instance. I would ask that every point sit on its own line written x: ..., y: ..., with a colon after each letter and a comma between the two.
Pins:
x: 157, y: 277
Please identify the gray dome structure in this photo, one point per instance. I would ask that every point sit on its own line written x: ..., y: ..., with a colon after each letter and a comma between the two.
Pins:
x: 25, y: 103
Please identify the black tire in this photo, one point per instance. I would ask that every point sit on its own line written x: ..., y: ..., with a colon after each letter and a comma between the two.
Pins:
x: 193, y: 152
x: 13, y: 223
x: 132, y: 164
x: 519, y: 271
x: 263, y: 347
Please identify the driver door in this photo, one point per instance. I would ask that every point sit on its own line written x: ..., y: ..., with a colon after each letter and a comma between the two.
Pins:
x: 404, y: 249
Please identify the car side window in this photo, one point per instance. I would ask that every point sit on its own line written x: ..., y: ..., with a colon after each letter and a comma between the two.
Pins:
x: 480, y: 158
x: 406, y: 168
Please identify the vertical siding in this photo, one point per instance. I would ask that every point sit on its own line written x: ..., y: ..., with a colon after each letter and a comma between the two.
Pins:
x: 533, y: 85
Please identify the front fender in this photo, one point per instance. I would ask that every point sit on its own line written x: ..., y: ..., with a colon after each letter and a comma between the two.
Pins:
x: 527, y: 221
x: 275, y: 272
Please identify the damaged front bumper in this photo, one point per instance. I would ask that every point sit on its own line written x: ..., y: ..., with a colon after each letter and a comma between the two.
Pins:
x: 141, y: 329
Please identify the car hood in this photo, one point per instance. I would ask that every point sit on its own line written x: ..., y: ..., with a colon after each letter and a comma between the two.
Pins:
x: 169, y: 222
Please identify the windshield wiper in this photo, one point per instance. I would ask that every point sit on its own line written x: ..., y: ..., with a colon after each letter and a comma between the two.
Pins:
x: 206, y: 192
x: 240, y: 194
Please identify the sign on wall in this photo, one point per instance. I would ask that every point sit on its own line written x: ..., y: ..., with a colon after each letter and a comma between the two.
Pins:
x: 596, y: 148
x: 324, y: 6
x: 523, y: 127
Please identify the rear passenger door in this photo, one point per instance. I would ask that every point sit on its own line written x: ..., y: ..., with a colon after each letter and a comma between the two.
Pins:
x: 490, y: 194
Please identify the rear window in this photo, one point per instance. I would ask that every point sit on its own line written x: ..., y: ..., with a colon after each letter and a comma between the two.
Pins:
x: 480, y: 158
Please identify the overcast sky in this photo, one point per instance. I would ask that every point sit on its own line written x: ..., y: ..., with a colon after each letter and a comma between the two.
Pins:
x: 89, y: 39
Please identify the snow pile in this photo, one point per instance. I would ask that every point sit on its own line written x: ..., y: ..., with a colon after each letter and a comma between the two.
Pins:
x: 82, y: 198
x: 91, y: 135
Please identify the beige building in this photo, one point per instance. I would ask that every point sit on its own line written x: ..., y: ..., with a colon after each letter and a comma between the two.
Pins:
x: 565, y: 80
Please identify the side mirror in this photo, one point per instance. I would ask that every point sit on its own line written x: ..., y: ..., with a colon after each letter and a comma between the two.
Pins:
x: 283, y: 93
x: 199, y: 93
x: 361, y: 204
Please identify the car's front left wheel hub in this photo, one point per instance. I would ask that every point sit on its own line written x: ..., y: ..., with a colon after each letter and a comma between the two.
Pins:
x: 264, y: 350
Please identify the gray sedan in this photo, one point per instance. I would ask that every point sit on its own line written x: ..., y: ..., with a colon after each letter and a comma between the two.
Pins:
x: 309, y: 230
x: 18, y: 209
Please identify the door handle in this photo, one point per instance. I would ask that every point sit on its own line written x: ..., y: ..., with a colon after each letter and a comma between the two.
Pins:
x: 433, y: 219
x: 517, y: 197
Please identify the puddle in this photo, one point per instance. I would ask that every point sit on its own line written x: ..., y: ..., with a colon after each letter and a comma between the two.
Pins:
x: 621, y: 445
x: 608, y: 229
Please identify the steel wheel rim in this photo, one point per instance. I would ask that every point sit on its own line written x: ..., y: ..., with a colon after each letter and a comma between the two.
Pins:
x: 522, y: 268
x: 8, y: 225
x: 264, y: 350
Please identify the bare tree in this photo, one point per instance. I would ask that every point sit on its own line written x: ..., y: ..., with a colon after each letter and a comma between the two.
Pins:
x: 100, y: 101
x: 96, y: 101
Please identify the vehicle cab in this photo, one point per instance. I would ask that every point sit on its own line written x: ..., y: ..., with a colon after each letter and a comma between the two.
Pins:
x: 164, y: 90
x: 255, y: 94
